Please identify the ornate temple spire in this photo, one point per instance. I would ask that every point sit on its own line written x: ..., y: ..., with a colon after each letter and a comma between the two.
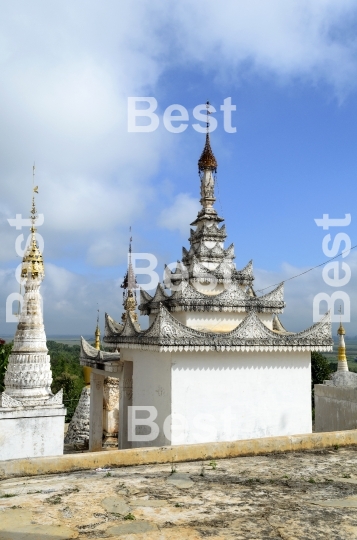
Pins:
x: 129, y: 294
x: 28, y: 376
x: 341, y: 355
x: 32, y: 263
x: 207, y: 166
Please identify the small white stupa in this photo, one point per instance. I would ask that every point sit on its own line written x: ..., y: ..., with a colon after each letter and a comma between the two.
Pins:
x: 31, y: 417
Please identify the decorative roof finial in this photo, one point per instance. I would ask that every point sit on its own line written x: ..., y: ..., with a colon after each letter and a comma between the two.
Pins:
x: 341, y: 355
x: 207, y: 160
x: 129, y: 285
x: 32, y: 263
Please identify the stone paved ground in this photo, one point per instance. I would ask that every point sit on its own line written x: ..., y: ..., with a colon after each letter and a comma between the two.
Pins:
x: 310, y: 495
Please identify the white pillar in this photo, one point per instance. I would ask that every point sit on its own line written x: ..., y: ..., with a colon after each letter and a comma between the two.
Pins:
x: 125, y: 400
x: 96, y: 412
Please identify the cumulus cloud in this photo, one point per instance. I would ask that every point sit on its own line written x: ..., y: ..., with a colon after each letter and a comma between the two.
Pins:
x: 301, y: 38
x: 67, y: 70
x: 179, y: 214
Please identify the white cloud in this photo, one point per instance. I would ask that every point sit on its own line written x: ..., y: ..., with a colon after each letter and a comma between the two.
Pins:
x: 300, y: 293
x: 305, y: 38
x: 66, y: 72
x: 178, y: 216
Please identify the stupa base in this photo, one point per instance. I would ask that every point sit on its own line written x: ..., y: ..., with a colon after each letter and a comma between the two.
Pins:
x: 31, y: 432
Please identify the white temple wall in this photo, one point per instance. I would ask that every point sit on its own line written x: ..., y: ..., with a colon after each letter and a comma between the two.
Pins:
x: 221, y: 321
x: 206, y: 321
x: 151, y: 386
x: 267, y: 319
x: 234, y: 396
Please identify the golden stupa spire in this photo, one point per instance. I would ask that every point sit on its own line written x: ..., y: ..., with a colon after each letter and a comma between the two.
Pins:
x: 32, y: 263
x: 207, y: 160
x: 341, y: 355
x: 97, y: 334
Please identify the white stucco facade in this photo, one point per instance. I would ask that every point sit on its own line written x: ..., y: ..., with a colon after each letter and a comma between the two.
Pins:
x: 221, y: 397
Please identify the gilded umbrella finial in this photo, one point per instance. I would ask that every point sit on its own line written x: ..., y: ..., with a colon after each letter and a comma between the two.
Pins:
x: 207, y: 159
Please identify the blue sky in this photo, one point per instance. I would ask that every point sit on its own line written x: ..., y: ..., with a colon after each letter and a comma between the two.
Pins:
x: 67, y: 71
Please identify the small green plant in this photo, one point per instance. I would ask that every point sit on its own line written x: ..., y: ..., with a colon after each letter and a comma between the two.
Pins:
x: 178, y: 505
x: 13, y: 507
x: 346, y: 476
x: 311, y: 480
x: 129, y: 517
x: 108, y: 474
x: 7, y: 495
x: 55, y: 499
x: 213, y: 464
x: 336, y: 447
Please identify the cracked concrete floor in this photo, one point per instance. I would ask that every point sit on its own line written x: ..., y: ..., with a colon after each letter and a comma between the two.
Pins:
x: 307, y: 495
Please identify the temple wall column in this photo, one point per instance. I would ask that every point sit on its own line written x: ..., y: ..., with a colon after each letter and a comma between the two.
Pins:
x: 96, y: 412
x: 125, y: 401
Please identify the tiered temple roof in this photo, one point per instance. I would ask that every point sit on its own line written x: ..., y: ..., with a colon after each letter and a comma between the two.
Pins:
x: 206, y: 280
x: 168, y: 334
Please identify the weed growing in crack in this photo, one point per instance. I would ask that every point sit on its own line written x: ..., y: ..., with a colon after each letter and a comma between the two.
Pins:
x: 55, y: 499
x: 311, y: 480
x: 8, y: 495
x: 129, y: 517
x: 213, y: 464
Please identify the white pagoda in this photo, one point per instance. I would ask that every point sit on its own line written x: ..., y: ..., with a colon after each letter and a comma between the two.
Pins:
x: 216, y: 363
x: 31, y: 417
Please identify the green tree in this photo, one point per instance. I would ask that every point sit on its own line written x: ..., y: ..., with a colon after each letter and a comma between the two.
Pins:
x: 321, y: 370
x: 67, y: 373
x: 5, y: 350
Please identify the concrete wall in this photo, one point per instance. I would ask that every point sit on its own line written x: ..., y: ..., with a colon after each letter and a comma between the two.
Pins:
x: 221, y: 396
x: 175, y: 454
x: 230, y: 396
x: 31, y: 433
x: 335, y: 408
x: 151, y: 386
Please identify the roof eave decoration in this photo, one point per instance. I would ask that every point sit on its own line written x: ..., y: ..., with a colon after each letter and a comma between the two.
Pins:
x: 91, y: 357
x: 112, y: 327
x: 232, y: 299
x: 167, y: 334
